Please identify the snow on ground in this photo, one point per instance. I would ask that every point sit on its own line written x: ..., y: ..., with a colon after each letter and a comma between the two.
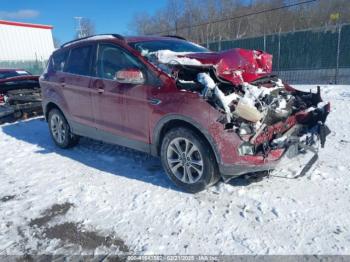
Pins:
x: 107, y: 199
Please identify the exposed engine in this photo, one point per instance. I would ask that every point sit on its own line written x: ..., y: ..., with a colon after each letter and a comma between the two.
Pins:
x: 248, y: 108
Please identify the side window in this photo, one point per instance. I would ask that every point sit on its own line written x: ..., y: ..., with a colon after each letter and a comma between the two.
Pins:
x: 58, y: 61
x: 111, y: 59
x: 79, y: 61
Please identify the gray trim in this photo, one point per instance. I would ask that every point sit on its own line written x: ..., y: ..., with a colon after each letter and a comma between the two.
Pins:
x: 82, y: 130
x: 232, y: 171
x: 162, y: 122
x: 94, y: 133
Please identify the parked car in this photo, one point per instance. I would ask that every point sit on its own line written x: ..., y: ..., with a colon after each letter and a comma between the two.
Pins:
x: 208, y: 115
x: 19, y: 94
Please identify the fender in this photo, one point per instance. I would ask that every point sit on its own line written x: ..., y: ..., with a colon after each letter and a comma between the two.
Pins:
x: 55, y: 98
x: 166, y: 119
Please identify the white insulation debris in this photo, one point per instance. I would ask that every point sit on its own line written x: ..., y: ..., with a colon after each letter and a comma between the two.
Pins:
x: 170, y: 57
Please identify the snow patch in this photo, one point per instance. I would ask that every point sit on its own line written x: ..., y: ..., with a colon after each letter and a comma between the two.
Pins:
x: 131, y: 195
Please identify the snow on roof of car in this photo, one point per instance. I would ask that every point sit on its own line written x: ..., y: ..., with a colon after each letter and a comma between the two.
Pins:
x: 94, y: 37
x: 128, y: 39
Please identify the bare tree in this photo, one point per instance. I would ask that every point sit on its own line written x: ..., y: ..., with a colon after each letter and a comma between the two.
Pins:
x: 85, y: 28
x: 205, y: 21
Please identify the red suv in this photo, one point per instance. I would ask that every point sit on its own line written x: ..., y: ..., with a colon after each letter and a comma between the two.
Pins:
x: 208, y: 115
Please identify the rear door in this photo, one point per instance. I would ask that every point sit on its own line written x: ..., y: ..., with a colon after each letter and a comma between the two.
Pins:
x: 75, y: 80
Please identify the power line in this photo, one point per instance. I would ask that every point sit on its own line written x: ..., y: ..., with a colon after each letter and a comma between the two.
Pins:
x: 236, y: 17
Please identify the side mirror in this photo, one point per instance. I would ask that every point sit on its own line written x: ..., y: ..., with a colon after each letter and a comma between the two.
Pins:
x: 130, y: 76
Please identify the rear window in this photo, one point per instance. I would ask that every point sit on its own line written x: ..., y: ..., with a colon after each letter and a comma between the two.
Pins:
x: 79, y: 61
x: 14, y: 73
x: 58, y: 60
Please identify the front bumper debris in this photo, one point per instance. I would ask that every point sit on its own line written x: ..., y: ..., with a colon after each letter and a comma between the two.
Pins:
x: 298, y: 142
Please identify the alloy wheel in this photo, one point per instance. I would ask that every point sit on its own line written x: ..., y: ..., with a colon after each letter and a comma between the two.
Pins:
x: 185, y: 160
x: 58, y: 128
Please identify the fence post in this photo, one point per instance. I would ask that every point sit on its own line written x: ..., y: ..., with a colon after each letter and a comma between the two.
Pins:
x: 207, y: 35
x: 338, y: 55
x: 279, y: 51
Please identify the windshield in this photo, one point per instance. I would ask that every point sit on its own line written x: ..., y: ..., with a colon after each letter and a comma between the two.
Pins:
x: 7, y: 74
x: 175, y: 46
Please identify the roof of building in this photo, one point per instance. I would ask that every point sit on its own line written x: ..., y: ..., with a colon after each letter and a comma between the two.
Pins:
x: 20, y: 24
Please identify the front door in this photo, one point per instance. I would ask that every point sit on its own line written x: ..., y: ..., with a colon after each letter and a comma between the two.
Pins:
x: 120, y: 109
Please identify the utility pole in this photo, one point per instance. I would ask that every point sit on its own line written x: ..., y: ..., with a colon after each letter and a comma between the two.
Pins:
x: 78, y: 27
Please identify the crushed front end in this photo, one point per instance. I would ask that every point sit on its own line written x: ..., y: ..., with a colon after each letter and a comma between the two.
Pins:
x: 258, y: 118
x: 282, y: 124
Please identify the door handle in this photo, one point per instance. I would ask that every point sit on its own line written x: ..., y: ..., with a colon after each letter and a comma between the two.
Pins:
x: 62, y: 81
x: 99, y: 86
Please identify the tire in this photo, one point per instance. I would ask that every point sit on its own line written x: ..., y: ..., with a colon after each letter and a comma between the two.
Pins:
x: 18, y: 114
x: 188, y: 160
x: 60, y: 130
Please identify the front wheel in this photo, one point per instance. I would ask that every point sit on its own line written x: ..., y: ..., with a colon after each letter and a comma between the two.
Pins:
x: 60, y: 130
x: 188, y: 160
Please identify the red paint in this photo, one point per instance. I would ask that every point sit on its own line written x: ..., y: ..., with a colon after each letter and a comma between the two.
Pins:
x: 3, y: 22
x: 274, y: 155
x: 251, y: 63
x: 277, y: 128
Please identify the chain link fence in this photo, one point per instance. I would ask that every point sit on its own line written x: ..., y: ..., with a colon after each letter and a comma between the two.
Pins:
x: 314, y: 56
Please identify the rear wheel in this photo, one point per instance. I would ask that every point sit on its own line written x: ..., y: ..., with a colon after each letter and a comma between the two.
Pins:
x: 188, y: 160
x: 60, y: 130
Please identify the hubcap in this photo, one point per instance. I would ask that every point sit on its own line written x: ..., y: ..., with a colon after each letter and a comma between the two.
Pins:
x: 185, y: 160
x: 58, y: 128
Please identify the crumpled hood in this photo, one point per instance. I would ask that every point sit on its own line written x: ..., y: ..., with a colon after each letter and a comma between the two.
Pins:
x: 236, y: 65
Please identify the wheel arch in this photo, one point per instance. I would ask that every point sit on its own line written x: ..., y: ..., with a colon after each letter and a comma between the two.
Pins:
x: 48, y: 107
x: 51, y: 105
x: 169, y: 122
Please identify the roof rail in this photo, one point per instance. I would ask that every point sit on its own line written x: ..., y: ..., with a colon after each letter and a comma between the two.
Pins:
x: 120, y: 37
x: 175, y: 36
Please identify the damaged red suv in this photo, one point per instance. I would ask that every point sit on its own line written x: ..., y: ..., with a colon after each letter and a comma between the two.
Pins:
x: 208, y: 115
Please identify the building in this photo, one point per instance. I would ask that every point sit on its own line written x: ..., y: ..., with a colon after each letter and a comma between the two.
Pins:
x: 24, y: 45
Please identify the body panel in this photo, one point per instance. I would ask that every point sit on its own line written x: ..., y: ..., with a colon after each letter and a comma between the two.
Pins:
x: 108, y: 106
x: 78, y: 95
